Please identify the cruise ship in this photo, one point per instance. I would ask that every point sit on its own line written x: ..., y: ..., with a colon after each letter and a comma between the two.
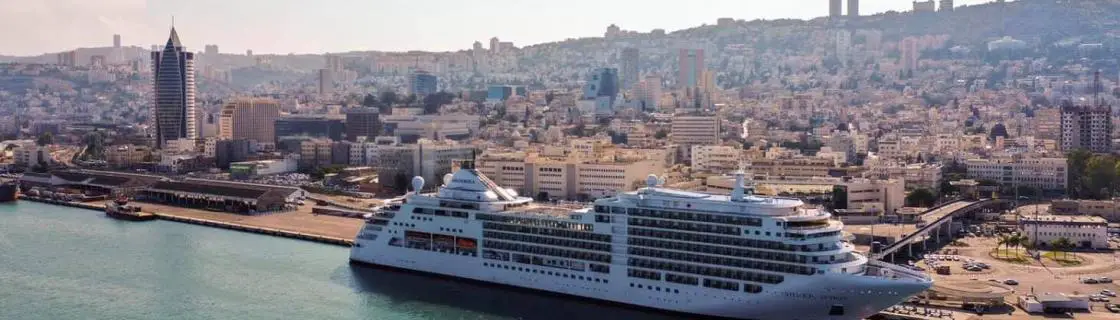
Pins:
x: 737, y: 256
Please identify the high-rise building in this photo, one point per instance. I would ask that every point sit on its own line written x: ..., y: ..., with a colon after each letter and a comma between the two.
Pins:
x: 173, y: 91
x: 1086, y: 127
x: 423, y: 83
x: 843, y: 45
x: 602, y: 82
x: 695, y: 130
x: 631, y: 69
x: 924, y: 6
x: 853, y: 8
x: 362, y: 123
x: 326, y: 82
x: 495, y: 45
x: 250, y: 118
x: 946, y: 5
x: 909, y: 54
x: 249, y: 52
x: 334, y: 64
x: 230, y: 151
x: 477, y: 46
x: 690, y: 67
x: 116, y: 41
x: 835, y: 8
x: 211, y: 50
x: 68, y: 58
x: 649, y: 93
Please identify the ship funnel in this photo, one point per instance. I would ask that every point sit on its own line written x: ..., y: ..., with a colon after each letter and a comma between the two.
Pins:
x: 739, y: 192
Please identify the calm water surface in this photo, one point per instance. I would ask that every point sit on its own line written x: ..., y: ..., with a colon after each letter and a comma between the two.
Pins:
x: 65, y: 263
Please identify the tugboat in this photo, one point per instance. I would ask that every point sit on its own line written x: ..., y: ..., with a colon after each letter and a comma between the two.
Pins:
x: 119, y: 209
x: 9, y: 191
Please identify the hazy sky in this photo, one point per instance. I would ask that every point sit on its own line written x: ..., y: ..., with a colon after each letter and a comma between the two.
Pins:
x: 29, y: 27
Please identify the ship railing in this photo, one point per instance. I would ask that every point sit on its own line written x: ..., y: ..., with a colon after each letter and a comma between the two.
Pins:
x: 886, y: 270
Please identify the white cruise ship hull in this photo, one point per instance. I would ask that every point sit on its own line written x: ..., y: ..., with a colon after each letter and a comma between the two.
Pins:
x: 798, y: 297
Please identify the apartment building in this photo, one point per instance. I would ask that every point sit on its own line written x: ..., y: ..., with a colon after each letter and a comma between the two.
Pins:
x: 916, y: 175
x: 126, y: 156
x: 716, y: 159
x: 30, y: 155
x: 1086, y: 127
x: 249, y: 118
x: 1107, y: 209
x: 882, y: 196
x: 1046, y: 174
x: 1084, y: 231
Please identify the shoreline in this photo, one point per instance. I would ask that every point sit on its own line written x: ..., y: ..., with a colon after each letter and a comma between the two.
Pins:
x: 293, y: 225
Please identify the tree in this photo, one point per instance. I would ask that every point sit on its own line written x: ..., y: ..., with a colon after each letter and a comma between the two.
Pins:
x: 1062, y: 244
x: 434, y: 101
x: 1001, y: 242
x: 389, y: 98
x: 661, y: 134
x: 1077, y: 162
x: 839, y: 198
x: 1101, y: 175
x: 921, y: 198
x: 370, y: 101
x: 45, y: 139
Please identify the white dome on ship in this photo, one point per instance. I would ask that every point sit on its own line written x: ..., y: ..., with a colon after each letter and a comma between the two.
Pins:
x: 511, y: 192
x: 447, y: 179
x: 651, y: 180
x: 417, y: 183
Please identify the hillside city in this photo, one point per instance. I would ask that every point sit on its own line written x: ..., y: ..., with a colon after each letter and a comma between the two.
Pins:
x: 881, y: 119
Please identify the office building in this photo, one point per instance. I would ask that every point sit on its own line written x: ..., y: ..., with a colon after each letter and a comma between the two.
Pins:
x: 835, y: 8
x: 1085, y: 232
x: 602, y: 82
x: 173, y: 91
x: 567, y: 178
x: 397, y: 163
x: 695, y: 130
x: 250, y: 118
x: 362, y: 123
x: 1046, y: 174
x: 648, y: 93
x: 496, y: 93
x: 1086, y: 127
x: 946, y: 6
x: 211, y: 50
x: 298, y: 126
x: 909, y: 54
x: 423, y: 83
x: 334, y: 63
x: 853, y: 8
x: 230, y: 151
x: 630, y: 67
x: 843, y: 45
x: 126, y: 156
x: 116, y: 41
x: 690, y: 64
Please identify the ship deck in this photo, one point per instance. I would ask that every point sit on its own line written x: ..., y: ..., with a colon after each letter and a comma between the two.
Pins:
x: 562, y: 211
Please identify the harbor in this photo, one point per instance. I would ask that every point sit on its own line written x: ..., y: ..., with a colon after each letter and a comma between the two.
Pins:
x: 299, y: 224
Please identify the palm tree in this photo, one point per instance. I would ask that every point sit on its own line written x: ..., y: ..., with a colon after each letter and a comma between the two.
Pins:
x: 1003, y: 240
x: 1063, y: 244
x: 1013, y: 241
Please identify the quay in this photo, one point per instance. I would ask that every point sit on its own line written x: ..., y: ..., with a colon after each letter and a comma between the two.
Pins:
x: 322, y: 229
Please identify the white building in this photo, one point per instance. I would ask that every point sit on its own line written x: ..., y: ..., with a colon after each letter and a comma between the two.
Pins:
x: 1046, y: 174
x: 1083, y: 231
x: 30, y: 155
x: 693, y: 130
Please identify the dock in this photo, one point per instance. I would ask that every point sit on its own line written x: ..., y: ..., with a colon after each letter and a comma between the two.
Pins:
x: 329, y: 232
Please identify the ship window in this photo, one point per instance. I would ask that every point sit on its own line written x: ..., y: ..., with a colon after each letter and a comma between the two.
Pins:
x: 836, y: 310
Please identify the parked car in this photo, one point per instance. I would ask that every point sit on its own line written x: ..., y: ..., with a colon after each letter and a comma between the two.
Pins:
x: 1089, y: 281
x: 1104, y: 280
x: 1113, y: 307
x: 1011, y: 282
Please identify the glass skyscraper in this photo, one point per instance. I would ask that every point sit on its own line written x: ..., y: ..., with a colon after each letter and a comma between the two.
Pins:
x: 173, y: 92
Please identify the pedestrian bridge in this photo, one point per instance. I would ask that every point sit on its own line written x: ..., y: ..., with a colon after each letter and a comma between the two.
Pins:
x: 938, y: 220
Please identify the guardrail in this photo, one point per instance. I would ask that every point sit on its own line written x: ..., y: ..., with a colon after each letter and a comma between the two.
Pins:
x: 932, y: 224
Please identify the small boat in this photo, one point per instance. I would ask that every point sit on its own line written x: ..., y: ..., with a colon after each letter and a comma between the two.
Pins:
x: 9, y: 191
x: 119, y: 209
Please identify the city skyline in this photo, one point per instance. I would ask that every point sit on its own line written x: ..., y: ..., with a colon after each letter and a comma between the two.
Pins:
x: 285, y: 26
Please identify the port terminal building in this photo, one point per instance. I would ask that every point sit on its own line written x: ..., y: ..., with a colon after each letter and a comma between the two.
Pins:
x: 242, y: 198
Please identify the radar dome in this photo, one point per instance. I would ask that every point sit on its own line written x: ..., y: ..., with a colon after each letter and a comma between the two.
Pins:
x: 417, y: 183
x: 651, y: 180
x: 447, y: 179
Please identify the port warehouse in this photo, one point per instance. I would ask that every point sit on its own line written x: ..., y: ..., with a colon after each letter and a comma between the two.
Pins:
x: 244, y: 198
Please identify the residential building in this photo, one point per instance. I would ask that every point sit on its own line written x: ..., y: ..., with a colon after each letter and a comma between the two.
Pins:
x: 853, y: 8
x: 695, y: 130
x: 691, y: 67
x: 1046, y: 174
x: 249, y: 118
x: 835, y: 8
x: 496, y: 93
x: 630, y: 62
x: 31, y: 155
x: 362, y: 123
x: 648, y: 93
x: 716, y: 159
x: 326, y: 82
x: 909, y: 53
x: 317, y: 153
x: 1084, y: 232
x: 313, y: 126
x: 173, y: 91
x: 68, y: 58
x: 1086, y: 127
x: 877, y: 196
x: 946, y: 6
x: 423, y: 83
x: 925, y: 6
x: 116, y: 41
x: 792, y: 167
x: 916, y: 175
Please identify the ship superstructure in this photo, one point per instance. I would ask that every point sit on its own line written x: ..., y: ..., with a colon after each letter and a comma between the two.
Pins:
x: 737, y: 256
